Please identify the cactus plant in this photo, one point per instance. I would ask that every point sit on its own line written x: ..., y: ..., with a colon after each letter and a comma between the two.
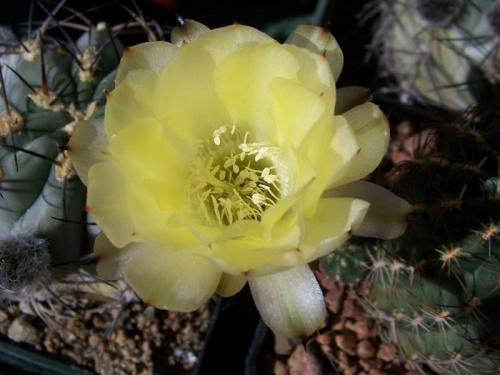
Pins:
x: 435, y: 290
x: 50, y: 83
x: 444, y: 53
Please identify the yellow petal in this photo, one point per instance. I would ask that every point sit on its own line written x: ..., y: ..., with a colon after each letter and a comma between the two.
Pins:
x: 107, y: 202
x: 188, y: 32
x: 148, y: 56
x: 314, y: 74
x: 123, y: 108
x: 87, y: 147
x: 185, y: 100
x: 242, y: 81
x: 320, y: 41
x: 372, y: 134
x: 243, y: 36
x: 296, y: 110
x: 111, y: 260
x: 291, y: 303
x: 143, y: 83
x: 304, y: 179
x: 333, y: 223
x: 387, y: 217
x: 229, y: 285
x: 149, y: 161
x: 175, y: 280
x: 330, y: 147
x: 156, y: 224
x: 262, y: 255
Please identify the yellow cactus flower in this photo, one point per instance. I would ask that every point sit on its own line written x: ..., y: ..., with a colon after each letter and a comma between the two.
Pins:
x: 224, y: 158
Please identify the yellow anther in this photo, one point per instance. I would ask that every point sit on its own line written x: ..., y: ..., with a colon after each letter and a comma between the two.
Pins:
x: 228, y: 188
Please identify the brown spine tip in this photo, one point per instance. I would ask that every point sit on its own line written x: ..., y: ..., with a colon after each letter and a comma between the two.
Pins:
x: 359, y: 151
x: 297, y: 249
x: 68, y: 148
x: 323, y: 55
x: 87, y: 208
x: 245, y: 273
x: 236, y: 23
x: 350, y: 233
x: 322, y: 94
x: 133, y: 234
x: 325, y: 31
x: 107, y: 94
x: 127, y: 49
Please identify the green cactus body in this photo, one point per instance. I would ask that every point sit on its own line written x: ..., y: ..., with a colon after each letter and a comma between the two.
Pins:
x: 47, y: 93
x: 435, y: 291
x: 444, y: 53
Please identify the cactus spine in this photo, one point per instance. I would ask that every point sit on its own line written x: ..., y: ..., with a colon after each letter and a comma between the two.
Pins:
x: 50, y: 84
x: 435, y: 291
x: 440, y: 52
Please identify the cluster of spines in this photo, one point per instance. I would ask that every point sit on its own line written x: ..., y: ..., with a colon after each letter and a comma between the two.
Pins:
x: 443, y: 53
x: 435, y: 290
x: 50, y: 83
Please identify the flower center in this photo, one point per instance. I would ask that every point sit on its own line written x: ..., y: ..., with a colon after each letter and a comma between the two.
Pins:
x: 232, y: 178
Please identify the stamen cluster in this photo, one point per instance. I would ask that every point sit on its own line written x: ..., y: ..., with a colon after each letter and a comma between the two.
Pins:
x: 233, y: 179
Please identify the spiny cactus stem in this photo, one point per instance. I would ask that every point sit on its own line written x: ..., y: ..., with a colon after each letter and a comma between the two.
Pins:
x: 32, y: 89
x: 36, y: 154
x: 86, y: 223
x: 472, y: 309
x: 30, y: 16
x: 54, y: 19
x: 138, y: 15
x: 4, y: 94
x: 490, y: 231
x: 59, y: 94
x: 45, y: 85
x: 64, y: 171
x: 76, y: 14
x: 22, y: 44
x: 448, y: 256
x: 71, y: 53
x: 142, y: 21
x: 50, y: 15
x: 18, y: 120
x: 113, y: 44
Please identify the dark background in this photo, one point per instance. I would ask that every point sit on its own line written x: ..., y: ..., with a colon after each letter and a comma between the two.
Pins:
x: 341, y: 18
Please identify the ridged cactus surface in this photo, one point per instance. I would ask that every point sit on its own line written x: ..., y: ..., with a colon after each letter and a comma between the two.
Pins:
x: 436, y: 290
x: 50, y: 84
x: 440, y: 52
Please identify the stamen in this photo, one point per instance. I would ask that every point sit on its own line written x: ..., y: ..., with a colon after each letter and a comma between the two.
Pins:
x: 228, y: 188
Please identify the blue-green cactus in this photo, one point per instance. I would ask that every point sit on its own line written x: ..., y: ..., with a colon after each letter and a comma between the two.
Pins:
x: 49, y: 86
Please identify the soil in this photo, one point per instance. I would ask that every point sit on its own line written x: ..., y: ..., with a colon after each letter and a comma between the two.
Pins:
x: 106, y: 329
x: 345, y: 344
